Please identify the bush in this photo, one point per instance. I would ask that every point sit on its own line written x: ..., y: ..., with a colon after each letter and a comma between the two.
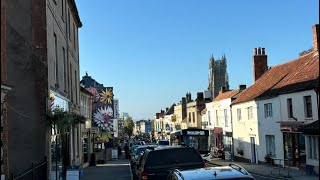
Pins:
x: 268, y: 158
x: 240, y: 151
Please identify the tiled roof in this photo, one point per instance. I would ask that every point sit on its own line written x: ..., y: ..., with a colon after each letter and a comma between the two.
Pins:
x: 225, y: 95
x: 301, y: 73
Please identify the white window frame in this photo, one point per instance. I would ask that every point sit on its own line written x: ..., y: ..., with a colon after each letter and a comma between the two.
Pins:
x: 268, y: 110
x: 250, y: 112
x: 225, y: 113
x: 239, y: 114
x: 270, y: 145
x: 313, y: 147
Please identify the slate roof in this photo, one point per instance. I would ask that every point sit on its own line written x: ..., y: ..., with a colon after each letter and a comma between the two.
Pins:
x: 296, y: 75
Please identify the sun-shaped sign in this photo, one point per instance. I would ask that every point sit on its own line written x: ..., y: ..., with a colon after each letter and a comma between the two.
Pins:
x: 106, y: 96
x: 103, y: 118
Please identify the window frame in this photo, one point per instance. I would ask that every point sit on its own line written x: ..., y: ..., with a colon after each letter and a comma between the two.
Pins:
x: 290, y: 108
x: 268, y: 110
x: 306, y: 107
x: 239, y: 114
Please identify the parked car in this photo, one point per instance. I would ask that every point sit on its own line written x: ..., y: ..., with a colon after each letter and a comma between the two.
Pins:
x: 233, y: 171
x: 163, y: 143
x: 157, y: 164
x: 138, y: 150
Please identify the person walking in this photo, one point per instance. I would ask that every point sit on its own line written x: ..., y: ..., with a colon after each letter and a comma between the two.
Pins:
x: 119, y: 151
x: 126, y: 150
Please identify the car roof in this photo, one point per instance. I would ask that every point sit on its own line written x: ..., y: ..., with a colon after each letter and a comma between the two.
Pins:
x: 222, y: 172
x: 171, y: 147
x: 145, y: 146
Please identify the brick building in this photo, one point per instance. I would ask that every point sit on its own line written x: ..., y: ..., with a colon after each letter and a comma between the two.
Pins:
x: 42, y: 59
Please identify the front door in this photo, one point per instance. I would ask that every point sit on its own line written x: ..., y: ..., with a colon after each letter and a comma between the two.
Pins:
x: 253, y: 150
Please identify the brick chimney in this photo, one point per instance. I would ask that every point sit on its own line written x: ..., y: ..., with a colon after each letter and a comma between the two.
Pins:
x: 242, y: 87
x: 223, y: 90
x: 200, y: 96
x: 260, y: 63
x: 315, y: 31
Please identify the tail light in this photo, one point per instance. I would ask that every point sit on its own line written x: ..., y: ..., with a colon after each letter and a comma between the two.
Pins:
x: 144, y: 175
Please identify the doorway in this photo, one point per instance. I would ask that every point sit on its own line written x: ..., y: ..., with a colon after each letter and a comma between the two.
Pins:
x: 253, y: 150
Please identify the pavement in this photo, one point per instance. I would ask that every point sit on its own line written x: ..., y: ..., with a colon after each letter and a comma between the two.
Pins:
x: 116, y: 169
x: 263, y: 170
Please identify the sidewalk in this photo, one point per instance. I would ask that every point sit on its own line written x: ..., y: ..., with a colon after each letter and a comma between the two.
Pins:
x: 116, y: 169
x: 265, y: 170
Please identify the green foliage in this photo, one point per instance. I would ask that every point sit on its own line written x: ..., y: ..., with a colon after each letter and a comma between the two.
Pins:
x: 64, y: 120
x: 128, y: 126
x: 240, y: 151
x: 268, y: 158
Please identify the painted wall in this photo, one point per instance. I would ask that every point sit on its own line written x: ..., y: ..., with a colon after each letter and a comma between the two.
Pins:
x: 269, y: 126
x: 245, y: 128
x: 298, y: 106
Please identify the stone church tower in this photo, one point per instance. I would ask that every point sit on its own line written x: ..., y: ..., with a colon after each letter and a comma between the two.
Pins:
x: 218, y: 76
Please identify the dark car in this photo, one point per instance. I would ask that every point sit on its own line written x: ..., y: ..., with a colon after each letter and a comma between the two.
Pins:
x: 158, y: 164
x: 137, y: 151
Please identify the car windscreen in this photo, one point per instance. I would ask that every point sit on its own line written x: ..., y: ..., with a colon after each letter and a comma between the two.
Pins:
x: 140, y: 150
x: 173, y: 156
x: 163, y: 142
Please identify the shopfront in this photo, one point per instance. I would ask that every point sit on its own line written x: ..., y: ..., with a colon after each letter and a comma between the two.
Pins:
x: 57, y: 149
x: 294, y: 145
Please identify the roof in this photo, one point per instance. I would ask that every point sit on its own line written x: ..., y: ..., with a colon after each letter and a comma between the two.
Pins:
x: 74, y: 10
x: 84, y: 90
x: 296, y: 75
x: 233, y: 171
x: 312, y: 128
x: 226, y: 95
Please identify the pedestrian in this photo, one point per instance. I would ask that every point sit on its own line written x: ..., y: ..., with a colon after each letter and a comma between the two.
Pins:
x: 126, y: 150
x: 119, y: 151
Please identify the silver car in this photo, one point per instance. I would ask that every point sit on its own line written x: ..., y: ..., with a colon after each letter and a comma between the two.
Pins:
x: 233, y: 171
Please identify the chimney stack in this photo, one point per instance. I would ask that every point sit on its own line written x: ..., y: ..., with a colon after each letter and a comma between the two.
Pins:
x: 200, y: 96
x: 222, y: 90
x: 315, y: 31
x: 260, y: 63
x: 242, y: 87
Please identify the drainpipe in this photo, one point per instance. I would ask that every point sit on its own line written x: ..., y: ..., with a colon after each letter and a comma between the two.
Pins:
x: 232, y: 149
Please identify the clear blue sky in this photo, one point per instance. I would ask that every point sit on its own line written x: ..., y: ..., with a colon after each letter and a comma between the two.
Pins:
x: 154, y: 51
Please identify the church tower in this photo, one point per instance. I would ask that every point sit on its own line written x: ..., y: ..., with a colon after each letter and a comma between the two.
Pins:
x: 218, y: 76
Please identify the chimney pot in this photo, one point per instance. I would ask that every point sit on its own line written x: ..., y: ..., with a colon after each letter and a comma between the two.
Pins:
x: 260, y: 64
x: 259, y: 51
x: 242, y: 87
x: 255, y: 51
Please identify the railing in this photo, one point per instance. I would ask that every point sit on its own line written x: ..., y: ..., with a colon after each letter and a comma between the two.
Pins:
x: 37, y: 171
x: 273, y: 160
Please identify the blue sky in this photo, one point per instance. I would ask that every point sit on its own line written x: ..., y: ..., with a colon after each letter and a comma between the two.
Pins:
x: 154, y: 51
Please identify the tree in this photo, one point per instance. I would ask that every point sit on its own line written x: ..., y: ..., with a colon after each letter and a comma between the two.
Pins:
x: 128, y: 126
